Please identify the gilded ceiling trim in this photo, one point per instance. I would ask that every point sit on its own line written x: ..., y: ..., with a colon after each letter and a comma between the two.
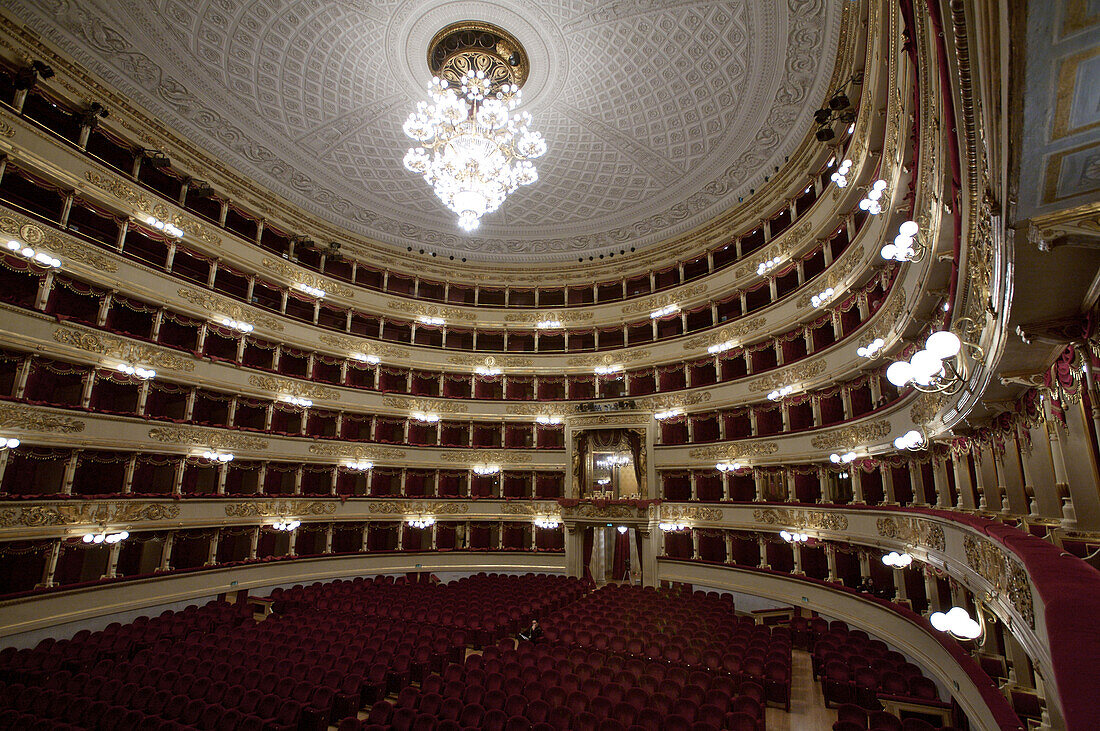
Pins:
x: 136, y: 199
x: 853, y: 436
x: 194, y: 436
x: 797, y: 518
x: 280, y: 508
x: 229, y: 308
x: 87, y: 513
x: 294, y: 388
x: 133, y: 353
x: 913, y: 531
x: 18, y: 416
x: 1007, y: 577
x: 20, y: 226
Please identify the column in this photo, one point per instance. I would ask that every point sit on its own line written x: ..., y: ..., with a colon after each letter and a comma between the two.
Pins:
x: 253, y: 543
x: 127, y: 475
x: 70, y: 472
x: 916, y: 479
x: 796, y: 549
x: 830, y: 561
x: 728, y: 538
x: 792, y: 492
x: 857, y: 483
x: 50, y: 568
x: 695, y: 556
x: 1058, y: 460
x: 901, y: 596
x: 112, y: 561
x: 758, y: 480
x: 888, y: 484
x: 932, y: 591
x: 939, y: 482
x: 979, y: 480
x: 763, y: 552
x: 166, y: 552
x: 1002, y: 488
x: 694, y: 486
x: 292, y: 543
x: 961, y: 470
x: 212, y: 554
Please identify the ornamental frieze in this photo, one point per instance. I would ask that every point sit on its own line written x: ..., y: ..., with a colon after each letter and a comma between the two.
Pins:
x: 6, y: 130
x: 796, y: 518
x: 888, y: 316
x: 25, y: 417
x: 853, y: 436
x: 294, y: 388
x: 913, y: 531
x: 564, y: 317
x: 229, y: 308
x: 622, y: 356
x: 123, y: 350
x: 422, y: 310
x: 279, y: 508
x: 72, y: 250
x: 491, y: 361
x: 298, y: 276
x: 418, y: 507
x: 556, y: 408
x: 86, y: 513
x: 526, y: 508
x: 658, y: 403
x: 834, y: 274
x: 366, y: 347
x: 676, y: 513
x: 926, y: 408
x: 135, y: 198
x: 668, y: 298
x: 193, y: 436
x: 798, y: 372
x: 735, y: 330
x: 734, y: 451
x: 442, y: 406
x: 588, y: 510
x: 608, y: 420
x: 1005, y: 575
x: 356, y: 452
x: 790, y: 241
x: 486, y: 456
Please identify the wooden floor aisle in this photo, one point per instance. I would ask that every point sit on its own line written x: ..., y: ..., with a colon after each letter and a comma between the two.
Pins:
x: 808, y: 711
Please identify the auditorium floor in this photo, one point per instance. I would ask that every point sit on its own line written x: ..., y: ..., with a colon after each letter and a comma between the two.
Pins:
x: 808, y: 711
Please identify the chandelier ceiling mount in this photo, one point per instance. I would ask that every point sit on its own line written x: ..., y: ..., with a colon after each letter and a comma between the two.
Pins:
x: 473, y: 149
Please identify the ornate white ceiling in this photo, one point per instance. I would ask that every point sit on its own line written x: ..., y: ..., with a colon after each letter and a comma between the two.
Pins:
x: 658, y: 113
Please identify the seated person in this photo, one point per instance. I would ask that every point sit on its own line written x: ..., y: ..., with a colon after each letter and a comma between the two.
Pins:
x: 532, y: 633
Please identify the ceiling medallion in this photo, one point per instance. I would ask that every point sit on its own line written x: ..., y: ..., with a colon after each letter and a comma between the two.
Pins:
x: 474, y: 151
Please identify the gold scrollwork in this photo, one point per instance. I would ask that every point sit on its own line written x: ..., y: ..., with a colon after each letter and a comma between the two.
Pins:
x: 798, y: 372
x: 608, y: 419
x: 853, y: 436
x: 298, y: 276
x: 797, y: 518
x: 734, y: 451
x: 6, y: 130
x: 14, y: 416
x: 535, y: 409
x: 356, y: 452
x: 138, y: 200
x: 229, y: 308
x: 422, y: 310
x: 563, y: 316
x: 72, y: 250
x: 726, y: 333
x: 112, y: 347
x: 915, y: 531
x: 206, y: 438
x: 621, y: 356
x: 526, y: 508
x: 926, y: 408
x: 366, y: 347
x: 588, y: 510
x: 294, y: 388
x: 668, y: 298
x: 486, y: 456
x: 676, y: 513
x: 279, y: 508
x: 657, y: 403
x: 1006, y: 576
x: 442, y: 406
x: 500, y: 361
x: 418, y: 507
x: 91, y: 513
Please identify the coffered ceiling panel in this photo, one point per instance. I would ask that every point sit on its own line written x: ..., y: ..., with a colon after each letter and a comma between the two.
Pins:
x: 658, y: 113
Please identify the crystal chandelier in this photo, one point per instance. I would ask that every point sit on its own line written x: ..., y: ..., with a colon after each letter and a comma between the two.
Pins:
x: 473, y: 150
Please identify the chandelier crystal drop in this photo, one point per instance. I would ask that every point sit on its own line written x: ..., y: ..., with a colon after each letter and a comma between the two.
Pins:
x: 473, y: 150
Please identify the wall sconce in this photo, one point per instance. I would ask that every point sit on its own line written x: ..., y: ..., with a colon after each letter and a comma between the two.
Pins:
x: 908, y: 245
x: 425, y: 418
x: 673, y: 527
x: 548, y: 324
x: 44, y: 258
x: 667, y: 414
x: 958, y: 623
x: 911, y: 440
x: 486, y: 469
x: 897, y: 560
x: 310, y: 290
x: 287, y: 525
x: 296, y: 401
x: 780, y: 393
x: 367, y: 358
x: 767, y: 266
x: 840, y: 177
x: 940, y: 367
x: 547, y: 523
x: 167, y: 228
x: 870, y: 202
x: 846, y: 458
x: 871, y: 349
x: 548, y: 420
x: 664, y: 311
x: 241, y: 327
x: 9, y: 443
x: 421, y: 521
x: 819, y: 299
x: 728, y: 466
x: 215, y: 456
x: 359, y: 465
x: 790, y: 537
x: 105, y: 537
